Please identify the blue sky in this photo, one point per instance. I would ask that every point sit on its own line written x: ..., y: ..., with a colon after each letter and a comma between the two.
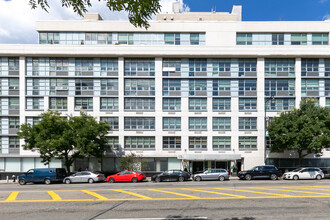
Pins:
x: 17, y: 19
x: 268, y: 10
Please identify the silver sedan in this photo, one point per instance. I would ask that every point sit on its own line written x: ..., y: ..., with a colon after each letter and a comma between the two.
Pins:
x: 84, y: 177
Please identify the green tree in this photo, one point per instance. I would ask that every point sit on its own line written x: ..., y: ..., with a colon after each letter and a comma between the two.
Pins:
x: 139, y: 11
x: 305, y: 130
x: 65, y: 138
x: 132, y: 162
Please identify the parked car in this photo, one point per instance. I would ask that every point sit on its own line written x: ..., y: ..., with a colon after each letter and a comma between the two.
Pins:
x: 126, y: 176
x: 171, y: 175
x: 84, y: 177
x: 212, y: 174
x: 42, y: 175
x: 304, y: 173
x: 260, y: 172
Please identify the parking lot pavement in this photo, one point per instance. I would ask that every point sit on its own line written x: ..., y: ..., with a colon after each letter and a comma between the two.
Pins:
x: 161, y: 192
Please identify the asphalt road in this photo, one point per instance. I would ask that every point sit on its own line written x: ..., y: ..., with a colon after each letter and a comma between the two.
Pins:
x: 257, y: 199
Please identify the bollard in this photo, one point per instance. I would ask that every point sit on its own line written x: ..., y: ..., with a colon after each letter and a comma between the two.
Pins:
x: 7, y: 179
x: 14, y: 178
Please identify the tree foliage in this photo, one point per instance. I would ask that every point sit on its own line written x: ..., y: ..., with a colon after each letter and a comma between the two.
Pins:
x: 65, y: 138
x: 132, y: 162
x: 139, y: 11
x: 305, y: 130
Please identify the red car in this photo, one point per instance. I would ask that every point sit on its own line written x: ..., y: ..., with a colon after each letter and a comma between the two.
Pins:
x: 126, y: 176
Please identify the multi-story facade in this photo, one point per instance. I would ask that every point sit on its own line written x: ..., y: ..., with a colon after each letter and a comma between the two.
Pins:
x: 193, y: 91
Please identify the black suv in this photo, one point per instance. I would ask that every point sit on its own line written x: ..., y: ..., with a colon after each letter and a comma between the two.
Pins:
x: 260, y: 172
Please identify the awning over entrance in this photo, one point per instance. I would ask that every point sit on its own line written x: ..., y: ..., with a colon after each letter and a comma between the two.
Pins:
x: 204, y: 157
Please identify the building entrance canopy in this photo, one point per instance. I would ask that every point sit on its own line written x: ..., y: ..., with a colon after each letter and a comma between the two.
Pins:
x: 212, y: 157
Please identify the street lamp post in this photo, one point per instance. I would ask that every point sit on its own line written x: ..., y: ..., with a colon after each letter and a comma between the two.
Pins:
x: 272, y: 99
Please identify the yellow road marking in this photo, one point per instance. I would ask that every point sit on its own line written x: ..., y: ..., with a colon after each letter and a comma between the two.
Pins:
x: 131, y: 193
x: 289, y: 190
x: 225, y: 194
x: 54, y: 196
x: 12, y: 197
x: 265, y: 193
x: 174, y: 193
x: 95, y: 194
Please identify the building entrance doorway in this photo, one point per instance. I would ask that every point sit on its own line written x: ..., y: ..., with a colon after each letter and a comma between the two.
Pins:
x: 197, y: 166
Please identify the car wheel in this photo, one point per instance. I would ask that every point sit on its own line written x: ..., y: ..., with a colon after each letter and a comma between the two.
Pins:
x: 318, y: 177
x: 21, y: 182
x: 273, y: 177
x: 157, y: 180
x: 47, y: 181
x: 67, y: 181
x: 295, y: 177
x: 198, y: 178
x: 221, y: 178
x: 90, y: 181
x: 111, y: 180
x: 248, y: 177
x: 181, y: 179
x: 134, y: 180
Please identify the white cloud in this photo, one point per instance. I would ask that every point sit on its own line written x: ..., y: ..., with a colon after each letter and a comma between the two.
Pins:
x: 326, y: 17
x: 17, y: 19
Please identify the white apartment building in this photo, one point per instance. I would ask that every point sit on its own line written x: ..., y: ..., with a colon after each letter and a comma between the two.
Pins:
x: 193, y: 91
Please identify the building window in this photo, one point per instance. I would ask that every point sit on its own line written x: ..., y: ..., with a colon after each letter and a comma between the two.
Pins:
x: 171, y: 123
x: 139, y: 123
x: 139, y: 142
x: 277, y: 39
x: 84, y: 85
x: 247, y: 67
x: 171, y: 104
x: 221, y: 143
x: 280, y: 87
x: 139, y: 67
x: 299, y: 39
x: 58, y: 66
x: 221, y: 67
x: 125, y: 38
x: 327, y: 67
x: 280, y: 104
x: 244, y: 39
x: 171, y: 143
x: 197, y: 123
x: 13, y: 142
x: 247, y: 143
x: 109, y: 67
x: 309, y: 67
x: 35, y: 103
x: 110, y: 104
x: 13, y: 122
x: 309, y: 87
x: 83, y: 67
x: 269, y: 143
x: 327, y: 102
x: 171, y: 87
x: 147, y: 104
x: 247, y: 123
x: 33, y: 120
x: 279, y: 67
x: 112, y: 143
x: 83, y: 104
x: 197, y: 87
x: 194, y: 39
x: 197, y: 143
x: 112, y: 121
x: 140, y: 87
x: 247, y: 87
x: 172, y: 38
x: 197, y: 104
x: 221, y: 87
x: 13, y: 64
x: 58, y: 87
x: 327, y: 87
x: 171, y: 67
x: 247, y: 104
x: 320, y: 39
x: 220, y: 104
x: 13, y: 84
x: 221, y: 123
x: 197, y: 67
x: 13, y: 103
x: 58, y: 103
x: 109, y: 85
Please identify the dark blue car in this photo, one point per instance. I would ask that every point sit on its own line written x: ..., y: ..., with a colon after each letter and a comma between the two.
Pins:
x: 42, y: 175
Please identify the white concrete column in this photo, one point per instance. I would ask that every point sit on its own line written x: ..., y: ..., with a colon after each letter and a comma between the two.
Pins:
x: 121, y: 91
x: 261, y: 107
x: 158, y: 104
x: 298, y: 82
